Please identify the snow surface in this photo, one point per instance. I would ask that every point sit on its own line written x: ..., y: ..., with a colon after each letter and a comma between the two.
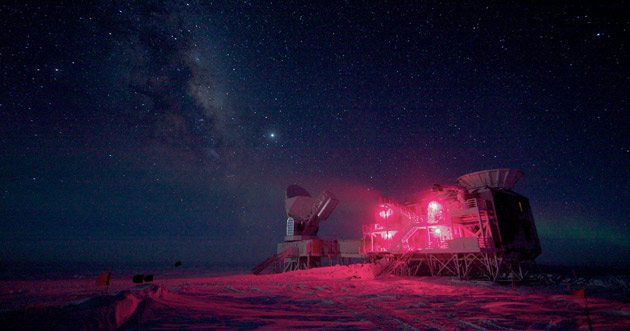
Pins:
x: 339, y: 297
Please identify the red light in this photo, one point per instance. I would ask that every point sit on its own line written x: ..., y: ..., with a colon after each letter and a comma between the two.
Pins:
x: 387, y: 235
x: 384, y: 214
x: 434, y: 212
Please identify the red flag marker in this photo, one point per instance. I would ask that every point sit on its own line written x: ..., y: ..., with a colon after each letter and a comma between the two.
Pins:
x: 104, y: 279
x: 581, y: 295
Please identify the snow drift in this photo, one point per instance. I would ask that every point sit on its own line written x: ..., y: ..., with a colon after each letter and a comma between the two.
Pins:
x: 101, y: 312
x: 340, y: 297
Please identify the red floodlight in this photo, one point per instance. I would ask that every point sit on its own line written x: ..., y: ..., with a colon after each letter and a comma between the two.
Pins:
x: 435, y: 212
x: 385, y: 213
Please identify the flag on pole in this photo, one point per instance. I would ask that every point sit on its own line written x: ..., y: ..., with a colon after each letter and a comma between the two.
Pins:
x: 103, y: 279
x: 579, y: 294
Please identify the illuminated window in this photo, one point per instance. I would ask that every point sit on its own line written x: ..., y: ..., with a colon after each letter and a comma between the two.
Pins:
x: 435, y: 212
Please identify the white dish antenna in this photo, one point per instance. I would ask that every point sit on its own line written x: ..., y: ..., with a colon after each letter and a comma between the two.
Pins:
x: 499, y: 178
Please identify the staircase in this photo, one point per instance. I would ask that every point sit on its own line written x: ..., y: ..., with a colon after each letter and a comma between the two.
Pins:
x: 394, y: 264
x: 400, y: 242
x: 403, y: 210
x: 271, y: 260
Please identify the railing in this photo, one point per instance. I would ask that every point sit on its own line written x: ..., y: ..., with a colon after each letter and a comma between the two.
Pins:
x: 470, y: 203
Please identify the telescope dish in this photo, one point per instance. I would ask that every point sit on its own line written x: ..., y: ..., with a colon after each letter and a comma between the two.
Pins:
x: 296, y: 191
x: 499, y: 178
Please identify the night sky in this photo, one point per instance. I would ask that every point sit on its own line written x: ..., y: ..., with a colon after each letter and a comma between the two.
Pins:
x: 169, y: 131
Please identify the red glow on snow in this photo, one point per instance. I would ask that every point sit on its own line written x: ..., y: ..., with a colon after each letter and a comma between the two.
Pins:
x: 302, y: 299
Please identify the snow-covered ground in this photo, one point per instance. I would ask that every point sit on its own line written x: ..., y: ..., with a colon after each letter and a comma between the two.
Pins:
x: 340, y: 297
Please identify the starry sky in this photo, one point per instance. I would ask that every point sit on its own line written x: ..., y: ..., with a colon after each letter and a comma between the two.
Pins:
x: 163, y: 131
